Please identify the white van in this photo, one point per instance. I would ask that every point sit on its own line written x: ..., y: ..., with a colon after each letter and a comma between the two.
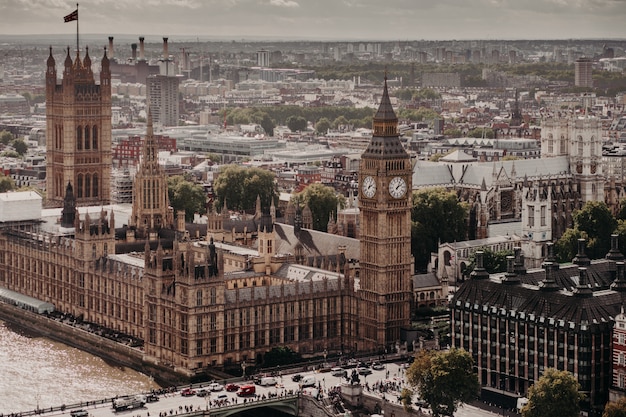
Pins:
x: 308, y: 381
x: 268, y: 381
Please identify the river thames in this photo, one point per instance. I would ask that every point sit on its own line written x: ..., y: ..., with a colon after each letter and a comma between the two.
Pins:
x: 39, y: 372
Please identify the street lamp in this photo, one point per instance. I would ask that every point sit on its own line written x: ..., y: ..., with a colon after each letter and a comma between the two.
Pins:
x: 243, y: 367
x: 325, y: 355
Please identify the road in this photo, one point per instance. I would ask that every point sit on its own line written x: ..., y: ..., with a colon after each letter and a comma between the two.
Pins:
x: 391, y: 378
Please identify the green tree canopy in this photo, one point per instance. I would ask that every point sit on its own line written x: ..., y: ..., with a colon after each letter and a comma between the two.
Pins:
x: 444, y: 379
x: 296, y: 123
x: 322, y: 201
x: 240, y: 186
x: 615, y: 408
x: 322, y: 126
x: 6, y: 137
x: 594, y: 223
x: 6, y: 183
x: 479, y: 132
x: 452, y: 133
x: 436, y: 216
x: 20, y: 146
x: 556, y: 393
x: 282, y: 355
x: 186, y: 195
x: 493, y: 261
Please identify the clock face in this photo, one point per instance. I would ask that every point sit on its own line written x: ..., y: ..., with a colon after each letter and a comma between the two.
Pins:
x: 397, y: 187
x: 369, y: 187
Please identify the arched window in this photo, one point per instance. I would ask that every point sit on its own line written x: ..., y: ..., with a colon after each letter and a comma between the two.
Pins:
x: 79, y: 186
x: 580, y: 145
x: 592, y: 150
x: 199, y: 298
x: 87, y: 140
x: 95, y: 186
x: 94, y: 137
x: 79, y: 138
x: 550, y: 143
x: 87, y: 185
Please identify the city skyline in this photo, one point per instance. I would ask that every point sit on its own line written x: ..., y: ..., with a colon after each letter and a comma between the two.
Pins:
x: 323, y: 19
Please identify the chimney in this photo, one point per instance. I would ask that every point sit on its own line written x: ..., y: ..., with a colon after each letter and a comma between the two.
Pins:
x: 142, y: 55
x: 511, y: 276
x: 111, y: 53
x: 583, y: 289
x: 620, y: 282
x: 166, y: 53
x: 479, y: 271
x: 133, y: 46
x: 581, y: 258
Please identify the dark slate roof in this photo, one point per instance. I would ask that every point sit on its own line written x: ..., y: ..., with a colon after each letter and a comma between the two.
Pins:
x: 525, y: 301
x: 385, y: 109
x: 427, y: 280
x: 314, y: 244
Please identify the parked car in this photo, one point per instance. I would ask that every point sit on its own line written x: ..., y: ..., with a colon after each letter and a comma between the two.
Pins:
x: 188, y: 392
x: 338, y: 372
x: 79, y: 413
x: 296, y: 378
x: 202, y: 393
x: 377, y: 366
x: 232, y: 387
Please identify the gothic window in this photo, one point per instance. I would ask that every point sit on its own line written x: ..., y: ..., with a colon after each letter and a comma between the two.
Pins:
x: 93, y: 251
x: 87, y: 140
x: 213, y: 295
x: 87, y: 185
x: 79, y: 186
x: 531, y: 216
x: 199, y: 298
x: 579, y: 139
x: 550, y: 143
x: 94, y: 137
x: 563, y: 144
x: 543, y: 215
x: 95, y: 187
x: 592, y: 150
x: 79, y: 138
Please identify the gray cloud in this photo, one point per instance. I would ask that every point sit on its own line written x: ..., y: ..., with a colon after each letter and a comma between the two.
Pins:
x: 338, y: 19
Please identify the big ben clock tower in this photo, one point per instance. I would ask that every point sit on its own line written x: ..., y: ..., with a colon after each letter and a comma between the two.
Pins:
x: 385, y: 208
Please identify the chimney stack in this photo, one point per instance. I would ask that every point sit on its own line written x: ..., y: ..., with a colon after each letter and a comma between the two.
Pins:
x: 133, y: 46
x: 142, y: 56
x: 166, y: 53
x: 111, y: 53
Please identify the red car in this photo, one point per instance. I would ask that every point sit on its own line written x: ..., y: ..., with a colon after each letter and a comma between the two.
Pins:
x: 187, y: 392
x: 232, y: 387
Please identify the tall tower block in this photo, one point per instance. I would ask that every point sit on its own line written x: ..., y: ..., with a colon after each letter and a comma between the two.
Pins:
x: 385, y: 175
x: 78, y: 131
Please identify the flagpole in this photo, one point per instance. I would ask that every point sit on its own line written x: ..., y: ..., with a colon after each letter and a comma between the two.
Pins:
x: 77, y: 44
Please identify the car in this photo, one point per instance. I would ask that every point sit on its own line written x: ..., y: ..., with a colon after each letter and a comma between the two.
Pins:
x: 363, y: 370
x: 338, y: 372
x: 202, y: 393
x: 232, y: 387
x: 222, y: 397
x: 215, y: 386
x: 352, y: 363
x: 296, y: 378
x: 188, y: 392
x: 377, y: 366
x: 152, y: 398
x: 79, y: 413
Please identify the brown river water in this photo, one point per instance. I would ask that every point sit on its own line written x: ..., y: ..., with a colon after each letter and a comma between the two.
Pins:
x: 39, y: 372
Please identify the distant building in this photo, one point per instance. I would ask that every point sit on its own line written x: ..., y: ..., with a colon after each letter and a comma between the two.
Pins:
x: 162, y: 97
x: 263, y: 58
x: 441, y: 79
x: 582, y: 72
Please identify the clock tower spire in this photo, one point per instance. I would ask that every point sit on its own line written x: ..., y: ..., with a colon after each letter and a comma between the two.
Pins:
x: 385, y: 175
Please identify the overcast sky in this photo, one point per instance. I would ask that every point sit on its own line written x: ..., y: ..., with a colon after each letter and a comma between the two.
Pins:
x: 323, y: 19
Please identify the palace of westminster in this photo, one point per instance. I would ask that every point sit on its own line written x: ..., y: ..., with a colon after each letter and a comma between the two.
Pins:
x: 199, y: 302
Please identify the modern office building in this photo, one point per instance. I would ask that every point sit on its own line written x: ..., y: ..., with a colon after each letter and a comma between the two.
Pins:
x: 583, y: 72
x: 162, y: 98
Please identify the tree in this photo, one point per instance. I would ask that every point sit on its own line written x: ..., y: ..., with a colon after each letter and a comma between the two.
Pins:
x: 6, y: 137
x: 6, y: 183
x: 493, y: 262
x: 556, y: 393
x: 453, y: 133
x: 322, y: 126
x: 594, y: 223
x: 186, y: 195
x: 239, y: 186
x: 296, y: 123
x: 615, y: 408
x: 596, y: 220
x: 322, y: 201
x: 436, y: 216
x: 20, y: 146
x: 444, y: 379
x: 282, y: 355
